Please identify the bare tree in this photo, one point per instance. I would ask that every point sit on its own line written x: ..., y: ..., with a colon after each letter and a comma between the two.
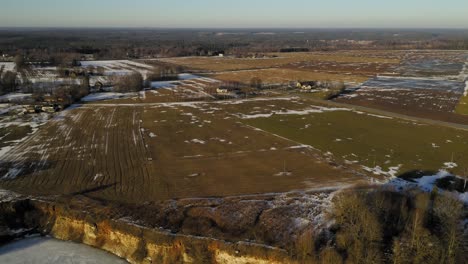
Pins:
x: 19, y: 62
x: 8, y: 82
x: 360, y: 232
x: 129, y: 83
x: 448, y: 212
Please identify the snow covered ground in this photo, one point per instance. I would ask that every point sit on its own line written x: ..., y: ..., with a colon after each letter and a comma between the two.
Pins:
x: 120, y: 67
x: 184, y: 78
x: 7, y: 66
x: 465, y: 93
x: 5, y: 108
x: 414, y: 83
x: 464, y: 73
x: 107, y: 96
x: 315, y: 109
x: 41, y: 250
x: 14, y: 97
x: 33, y: 121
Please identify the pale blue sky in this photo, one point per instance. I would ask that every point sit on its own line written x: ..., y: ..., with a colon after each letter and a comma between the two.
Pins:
x: 235, y: 13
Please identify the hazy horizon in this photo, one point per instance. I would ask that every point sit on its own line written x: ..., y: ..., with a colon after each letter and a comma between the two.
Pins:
x: 241, y: 14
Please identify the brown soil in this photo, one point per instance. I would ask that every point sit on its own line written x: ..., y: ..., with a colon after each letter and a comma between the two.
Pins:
x: 436, y: 105
x: 152, y: 153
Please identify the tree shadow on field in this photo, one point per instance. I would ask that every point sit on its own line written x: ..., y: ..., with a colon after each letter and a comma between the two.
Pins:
x: 449, y: 183
x: 415, y: 174
x: 10, y: 171
x: 94, y: 189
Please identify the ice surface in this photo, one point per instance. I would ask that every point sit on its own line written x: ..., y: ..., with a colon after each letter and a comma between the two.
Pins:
x: 40, y: 250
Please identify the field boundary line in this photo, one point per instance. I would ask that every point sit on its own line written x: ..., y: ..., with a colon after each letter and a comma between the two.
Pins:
x: 389, y: 114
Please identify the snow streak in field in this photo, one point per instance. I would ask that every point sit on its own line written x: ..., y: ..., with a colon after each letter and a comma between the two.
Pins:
x: 316, y: 109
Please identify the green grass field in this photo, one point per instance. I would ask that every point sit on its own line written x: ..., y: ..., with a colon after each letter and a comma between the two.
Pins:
x: 462, y: 107
x: 373, y: 141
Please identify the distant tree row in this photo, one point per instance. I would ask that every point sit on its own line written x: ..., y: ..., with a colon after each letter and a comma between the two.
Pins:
x: 68, y: 47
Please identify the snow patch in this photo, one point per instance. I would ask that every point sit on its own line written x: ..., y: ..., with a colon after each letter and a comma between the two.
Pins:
x: 98, y: 176
x: 106, y: 96
x: 377, y: 170
x: 197, y: 141
x: 14, y: 97
x: 450, y: 165
x: 317, y: 109
x: 42, y: 250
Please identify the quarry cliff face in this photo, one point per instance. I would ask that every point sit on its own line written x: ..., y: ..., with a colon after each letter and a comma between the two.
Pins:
x: 134, y: 242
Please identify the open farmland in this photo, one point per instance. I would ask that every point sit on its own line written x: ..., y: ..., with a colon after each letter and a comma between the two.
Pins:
x: 156, y: 151
x: 160, y: 151
x: 175, y: 140
x: 119, y: 67
x: 384, y: 145
x: 462, y: 107
x: 426, y: 84
x: 430, y: 63
x: 277, y: 68
x: 273, y: 60
x: 274, y: 76
x: 188, y: 88
x: 409, y: 94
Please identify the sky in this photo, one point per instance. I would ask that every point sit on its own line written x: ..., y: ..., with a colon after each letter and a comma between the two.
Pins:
x: 235, y: 13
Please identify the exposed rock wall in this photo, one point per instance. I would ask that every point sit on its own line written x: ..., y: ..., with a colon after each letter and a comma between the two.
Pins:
x: 135, y: 243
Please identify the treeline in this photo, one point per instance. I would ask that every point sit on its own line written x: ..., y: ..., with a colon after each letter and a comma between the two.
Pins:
x: 63, y: 47
x: 383, y: 226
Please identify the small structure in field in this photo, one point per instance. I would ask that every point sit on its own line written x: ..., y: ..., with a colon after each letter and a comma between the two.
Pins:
x: 308, y: 85
x: 229, y: 87
x: 48, y: 109
x: 222, y: 90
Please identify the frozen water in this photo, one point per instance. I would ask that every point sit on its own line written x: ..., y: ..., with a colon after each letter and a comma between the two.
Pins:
x: 40, y: 250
